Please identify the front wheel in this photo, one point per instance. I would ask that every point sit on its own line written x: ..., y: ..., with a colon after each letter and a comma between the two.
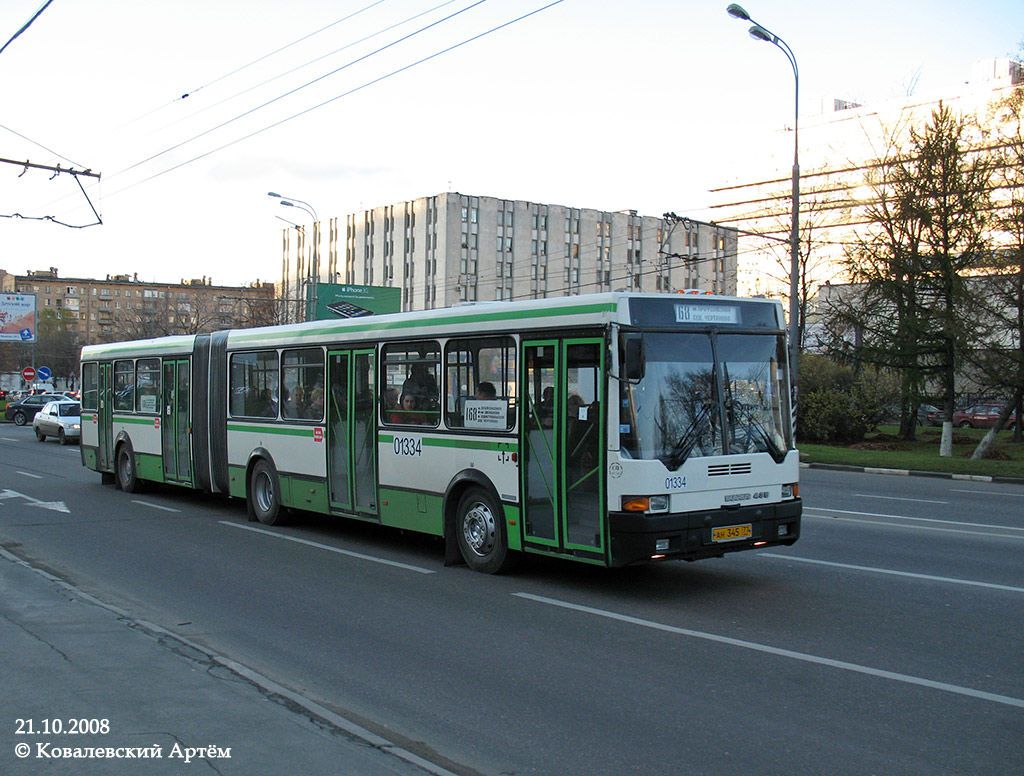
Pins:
x: 62, y: 437
x: 483, y: 539
x: 966, y: 424
x: 265, y: 495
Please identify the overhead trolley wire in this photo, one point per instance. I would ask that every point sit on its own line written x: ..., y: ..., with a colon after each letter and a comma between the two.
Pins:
x: 298, y: 89
x: 26, y: 25
x: 254, y: 62
x: 337, y: 97
x: 307, y: 64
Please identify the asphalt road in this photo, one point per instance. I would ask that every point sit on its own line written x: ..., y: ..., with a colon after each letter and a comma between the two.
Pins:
x: 886, y: 641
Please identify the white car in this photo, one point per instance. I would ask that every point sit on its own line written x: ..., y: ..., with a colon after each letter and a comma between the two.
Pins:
x: 61, y: 419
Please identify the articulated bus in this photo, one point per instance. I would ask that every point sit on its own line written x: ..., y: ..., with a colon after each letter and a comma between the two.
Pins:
x: 611, y: 429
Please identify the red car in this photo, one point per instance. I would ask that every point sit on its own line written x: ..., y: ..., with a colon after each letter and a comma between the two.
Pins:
x: 981, y: 416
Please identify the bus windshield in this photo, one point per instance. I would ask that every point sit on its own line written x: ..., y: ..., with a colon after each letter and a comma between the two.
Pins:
x: 707, y: 394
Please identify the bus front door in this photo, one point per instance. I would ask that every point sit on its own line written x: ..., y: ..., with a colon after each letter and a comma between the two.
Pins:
x: 563, y: 447
x: 352, y: 433
x: 176, y: 426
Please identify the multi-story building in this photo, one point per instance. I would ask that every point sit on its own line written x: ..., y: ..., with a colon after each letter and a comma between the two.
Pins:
x: 838, y: 148
x: 454, y: 247
x: 124, y: 307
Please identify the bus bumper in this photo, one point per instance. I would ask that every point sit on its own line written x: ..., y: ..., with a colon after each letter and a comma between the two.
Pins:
x: 637, y: 538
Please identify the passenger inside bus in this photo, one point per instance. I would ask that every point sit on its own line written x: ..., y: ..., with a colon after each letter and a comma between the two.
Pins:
x: 407, y: 412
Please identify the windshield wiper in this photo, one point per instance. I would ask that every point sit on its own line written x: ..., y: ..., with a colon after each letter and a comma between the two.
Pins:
x: 675, y: 457
x: 746, y: 415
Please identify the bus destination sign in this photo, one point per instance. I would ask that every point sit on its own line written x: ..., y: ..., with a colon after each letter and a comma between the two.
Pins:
x: 694, y: 313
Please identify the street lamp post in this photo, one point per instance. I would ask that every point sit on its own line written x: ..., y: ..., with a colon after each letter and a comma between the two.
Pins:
x: 293, y: 202
x: 759, y: 32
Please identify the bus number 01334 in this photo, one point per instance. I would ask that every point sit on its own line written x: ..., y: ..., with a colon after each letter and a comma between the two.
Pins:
x: 408, y: 446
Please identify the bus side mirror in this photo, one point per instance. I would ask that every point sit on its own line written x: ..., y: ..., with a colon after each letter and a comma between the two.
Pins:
x: 634, y: 364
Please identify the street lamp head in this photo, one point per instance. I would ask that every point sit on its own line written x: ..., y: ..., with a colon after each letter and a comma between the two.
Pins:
x: 737, y: 12
x: 286, y: 203
x: 272, y: 194
x: 757, y: 32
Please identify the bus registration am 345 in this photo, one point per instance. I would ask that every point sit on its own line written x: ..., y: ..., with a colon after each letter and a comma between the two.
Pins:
x: 610, y: 429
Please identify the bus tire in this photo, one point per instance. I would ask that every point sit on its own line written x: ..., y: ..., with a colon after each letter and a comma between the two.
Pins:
x: 481, y: 533
x: 124, y: 469
x: 265, y: 495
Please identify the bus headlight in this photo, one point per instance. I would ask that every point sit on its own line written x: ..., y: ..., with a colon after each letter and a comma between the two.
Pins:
x: 791, y: 490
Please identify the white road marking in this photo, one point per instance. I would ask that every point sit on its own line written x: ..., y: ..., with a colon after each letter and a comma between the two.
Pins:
x: 27, y: 474
x: 916, y: 519
x: 920, y: 527
x: 788, y: 653
x: 329, y: 548
x: 987, y: 493
x: 897, y: 498
x: 155, y: 506
x: 911, y: 574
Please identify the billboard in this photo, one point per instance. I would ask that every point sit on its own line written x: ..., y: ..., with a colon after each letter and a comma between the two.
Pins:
x: 17, y: 317
x: 338, y: 300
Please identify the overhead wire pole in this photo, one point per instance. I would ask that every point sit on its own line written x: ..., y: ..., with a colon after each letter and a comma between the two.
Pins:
x: 760, y: 32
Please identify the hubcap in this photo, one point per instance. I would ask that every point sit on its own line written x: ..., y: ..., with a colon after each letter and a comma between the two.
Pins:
x: 478, y: 528
x: 264, y: 492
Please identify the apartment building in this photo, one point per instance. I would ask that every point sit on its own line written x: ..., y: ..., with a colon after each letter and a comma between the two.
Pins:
x: 124, y: 307
x: 454, y: 247
x: 839, y: 146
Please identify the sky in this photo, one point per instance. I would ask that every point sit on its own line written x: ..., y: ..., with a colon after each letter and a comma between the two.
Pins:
x: 352, y: 104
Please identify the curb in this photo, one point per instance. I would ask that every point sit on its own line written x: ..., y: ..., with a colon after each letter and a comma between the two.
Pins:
x: 839, y: 467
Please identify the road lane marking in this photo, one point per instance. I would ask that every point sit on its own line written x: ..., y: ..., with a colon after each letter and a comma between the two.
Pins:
x: 27, y: 474
x: 805, y: 657
x: 329, y: 548
x: 155, y: 506
x: 917, y: 519
x: 987, y: 493
x: 897, y: 498
x: 911, y: 574
x: 919, y: 527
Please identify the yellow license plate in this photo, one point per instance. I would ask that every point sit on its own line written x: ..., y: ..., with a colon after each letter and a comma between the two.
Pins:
x: 731, y: 533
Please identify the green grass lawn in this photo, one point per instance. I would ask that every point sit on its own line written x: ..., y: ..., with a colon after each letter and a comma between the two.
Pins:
x: 884, y: 450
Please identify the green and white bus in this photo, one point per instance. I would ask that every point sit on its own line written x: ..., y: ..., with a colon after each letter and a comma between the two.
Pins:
x: 611, y: 429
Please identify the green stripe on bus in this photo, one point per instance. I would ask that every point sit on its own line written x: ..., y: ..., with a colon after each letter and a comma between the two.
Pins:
x: 268, y: 429
x: 479, y: 317
x: 139, y: 421
x: 457, y: 443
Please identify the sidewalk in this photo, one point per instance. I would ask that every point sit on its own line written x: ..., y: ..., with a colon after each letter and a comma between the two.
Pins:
x: 149, y: 702
x: 842, y: 467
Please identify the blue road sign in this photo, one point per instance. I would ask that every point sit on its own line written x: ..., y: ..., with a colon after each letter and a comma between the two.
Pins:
x: 44, y: 373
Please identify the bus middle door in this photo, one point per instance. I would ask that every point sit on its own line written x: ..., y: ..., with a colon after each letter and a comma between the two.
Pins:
x: 352, y: 433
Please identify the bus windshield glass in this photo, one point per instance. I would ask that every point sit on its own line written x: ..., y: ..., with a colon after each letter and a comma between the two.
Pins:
x: 704, y: 395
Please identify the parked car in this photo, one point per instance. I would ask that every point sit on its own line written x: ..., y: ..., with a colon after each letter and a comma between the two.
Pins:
x: 929, y: 415
x: 24, y: 410
x: 62, y: 419
x: 981, y: 416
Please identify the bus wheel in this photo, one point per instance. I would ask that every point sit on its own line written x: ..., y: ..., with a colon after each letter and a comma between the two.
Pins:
x: 124, y: 470
x: 480, y: 527
x: 265, y: 495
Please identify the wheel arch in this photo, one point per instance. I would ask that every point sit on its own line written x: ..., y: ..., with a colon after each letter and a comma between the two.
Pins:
x: 459, y: 484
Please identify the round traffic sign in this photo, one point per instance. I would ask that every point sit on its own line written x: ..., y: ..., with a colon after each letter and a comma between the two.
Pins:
x: 44, y: 373
x: 28, y: 374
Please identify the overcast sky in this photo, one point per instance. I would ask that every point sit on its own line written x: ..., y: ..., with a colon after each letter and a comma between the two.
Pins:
x: 588, y: 103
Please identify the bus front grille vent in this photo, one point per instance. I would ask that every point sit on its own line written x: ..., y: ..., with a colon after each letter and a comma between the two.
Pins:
x: 726, y: 469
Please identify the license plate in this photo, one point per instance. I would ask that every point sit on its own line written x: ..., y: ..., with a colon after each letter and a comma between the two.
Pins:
x: 731, y: 533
